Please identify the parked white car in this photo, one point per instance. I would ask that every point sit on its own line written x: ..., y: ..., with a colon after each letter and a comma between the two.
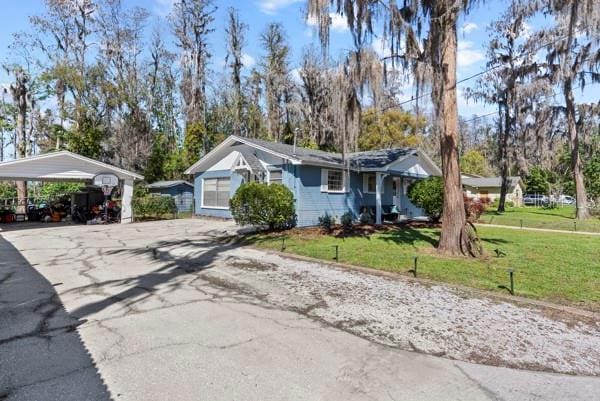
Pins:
x: 566, y: 200
x: 535, y: 200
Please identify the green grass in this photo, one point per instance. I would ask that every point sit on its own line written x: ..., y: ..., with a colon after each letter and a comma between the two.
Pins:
x: 561, y: 218
x: 561, y: 268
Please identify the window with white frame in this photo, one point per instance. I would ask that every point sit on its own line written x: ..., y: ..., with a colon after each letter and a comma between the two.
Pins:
x: 332, y: 181
x: 370, y: 184
x: 275, y: 177
x: 215, y: 192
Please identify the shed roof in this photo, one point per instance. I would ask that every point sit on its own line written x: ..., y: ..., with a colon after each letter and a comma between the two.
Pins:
x: 57, y: 166
x: 168, y: 184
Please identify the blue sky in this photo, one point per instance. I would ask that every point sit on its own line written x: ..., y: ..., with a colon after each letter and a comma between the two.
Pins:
x: 258, y: 13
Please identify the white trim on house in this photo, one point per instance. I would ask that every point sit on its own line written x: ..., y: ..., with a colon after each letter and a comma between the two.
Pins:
x: 325, y: 181
x: 225, y: 163
x: 240, y: 163
x: 232, y: 139
x: 202, y: 205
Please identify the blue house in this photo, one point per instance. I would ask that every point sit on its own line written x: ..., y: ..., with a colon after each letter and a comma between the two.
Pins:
x: 181, y: 191
x: 322, y: 182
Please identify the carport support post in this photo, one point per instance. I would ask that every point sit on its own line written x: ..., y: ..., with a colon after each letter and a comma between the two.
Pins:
x: 126, y: 209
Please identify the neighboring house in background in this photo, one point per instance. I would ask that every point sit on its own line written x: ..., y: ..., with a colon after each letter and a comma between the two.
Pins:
x: 318, y: 180
x: 465, y: 176
x: 181, y: 191
x: 489, y: 188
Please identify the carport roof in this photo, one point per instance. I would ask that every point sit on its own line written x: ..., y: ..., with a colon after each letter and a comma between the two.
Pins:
x: 58, y: 166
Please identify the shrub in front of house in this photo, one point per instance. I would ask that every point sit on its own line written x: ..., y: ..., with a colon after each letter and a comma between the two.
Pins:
x: 347, y: 221
x: 366, y: 217
x: 428, y: 194
x: 264, y: 205
x: 326, y: 222
x: 153, y: 206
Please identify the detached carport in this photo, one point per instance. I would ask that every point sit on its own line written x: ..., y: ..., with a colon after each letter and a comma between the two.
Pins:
x: 68, y: 166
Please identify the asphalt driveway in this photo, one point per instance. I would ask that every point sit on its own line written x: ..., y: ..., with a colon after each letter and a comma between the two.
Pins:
x: 167, y: 311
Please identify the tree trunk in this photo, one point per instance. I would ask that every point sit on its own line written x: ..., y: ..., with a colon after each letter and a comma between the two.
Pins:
x: 453, y: 217
x: 576, y: 165
x: 504, y: 132
x: 22, y: 145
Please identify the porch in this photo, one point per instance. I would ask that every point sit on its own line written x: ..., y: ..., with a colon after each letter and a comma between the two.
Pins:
x: 385, y: 195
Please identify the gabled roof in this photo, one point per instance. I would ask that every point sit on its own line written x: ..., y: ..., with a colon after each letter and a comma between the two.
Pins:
x: 369, y: 160
x: 251, y: 159
x: 305, y: 155
x: 168, y: 184
x: 490, y: 182
x: 63, y: 165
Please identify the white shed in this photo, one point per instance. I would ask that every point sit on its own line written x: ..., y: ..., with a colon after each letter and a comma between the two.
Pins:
x: 68, y: 166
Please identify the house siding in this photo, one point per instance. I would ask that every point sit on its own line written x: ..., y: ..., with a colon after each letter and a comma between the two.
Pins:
x: 183, y: 195
x: 311, y: 203
x: 305, y: 183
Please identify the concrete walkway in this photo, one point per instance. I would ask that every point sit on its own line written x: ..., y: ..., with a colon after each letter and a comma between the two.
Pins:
x: 547, y: 230
x: 165, y: 311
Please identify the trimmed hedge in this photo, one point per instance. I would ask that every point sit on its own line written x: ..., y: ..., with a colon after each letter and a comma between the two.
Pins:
x: 153, y: 206
x: 260, y: 204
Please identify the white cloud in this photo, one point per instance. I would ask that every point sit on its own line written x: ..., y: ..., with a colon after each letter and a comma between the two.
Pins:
x: 469, y: 27
x: 467, y: 55
x: 338, y: 22
x: 248, y: 60
x: 272, y: 6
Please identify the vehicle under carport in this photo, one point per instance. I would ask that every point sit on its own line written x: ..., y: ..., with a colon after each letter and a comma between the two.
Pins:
x: 70, y: 167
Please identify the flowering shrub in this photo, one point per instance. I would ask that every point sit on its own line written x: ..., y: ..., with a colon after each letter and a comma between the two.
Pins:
x: 474, y: 207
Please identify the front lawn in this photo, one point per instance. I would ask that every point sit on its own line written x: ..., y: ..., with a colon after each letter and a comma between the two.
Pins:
x: 560, y: 218
x: 563, y: 268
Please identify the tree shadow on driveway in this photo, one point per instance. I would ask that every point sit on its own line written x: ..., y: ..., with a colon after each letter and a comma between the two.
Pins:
x: 42, y: 356
x: 200, y: 255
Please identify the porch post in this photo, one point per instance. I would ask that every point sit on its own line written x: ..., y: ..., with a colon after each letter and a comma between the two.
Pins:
x: 126, y: 209
x: 378, y: 185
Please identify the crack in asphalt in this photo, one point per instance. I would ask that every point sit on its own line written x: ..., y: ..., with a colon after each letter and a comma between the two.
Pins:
x: 41, y: 329
x: 483, y: 388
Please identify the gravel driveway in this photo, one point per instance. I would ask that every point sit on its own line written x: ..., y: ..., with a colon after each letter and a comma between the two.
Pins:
x: 425, y: 318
